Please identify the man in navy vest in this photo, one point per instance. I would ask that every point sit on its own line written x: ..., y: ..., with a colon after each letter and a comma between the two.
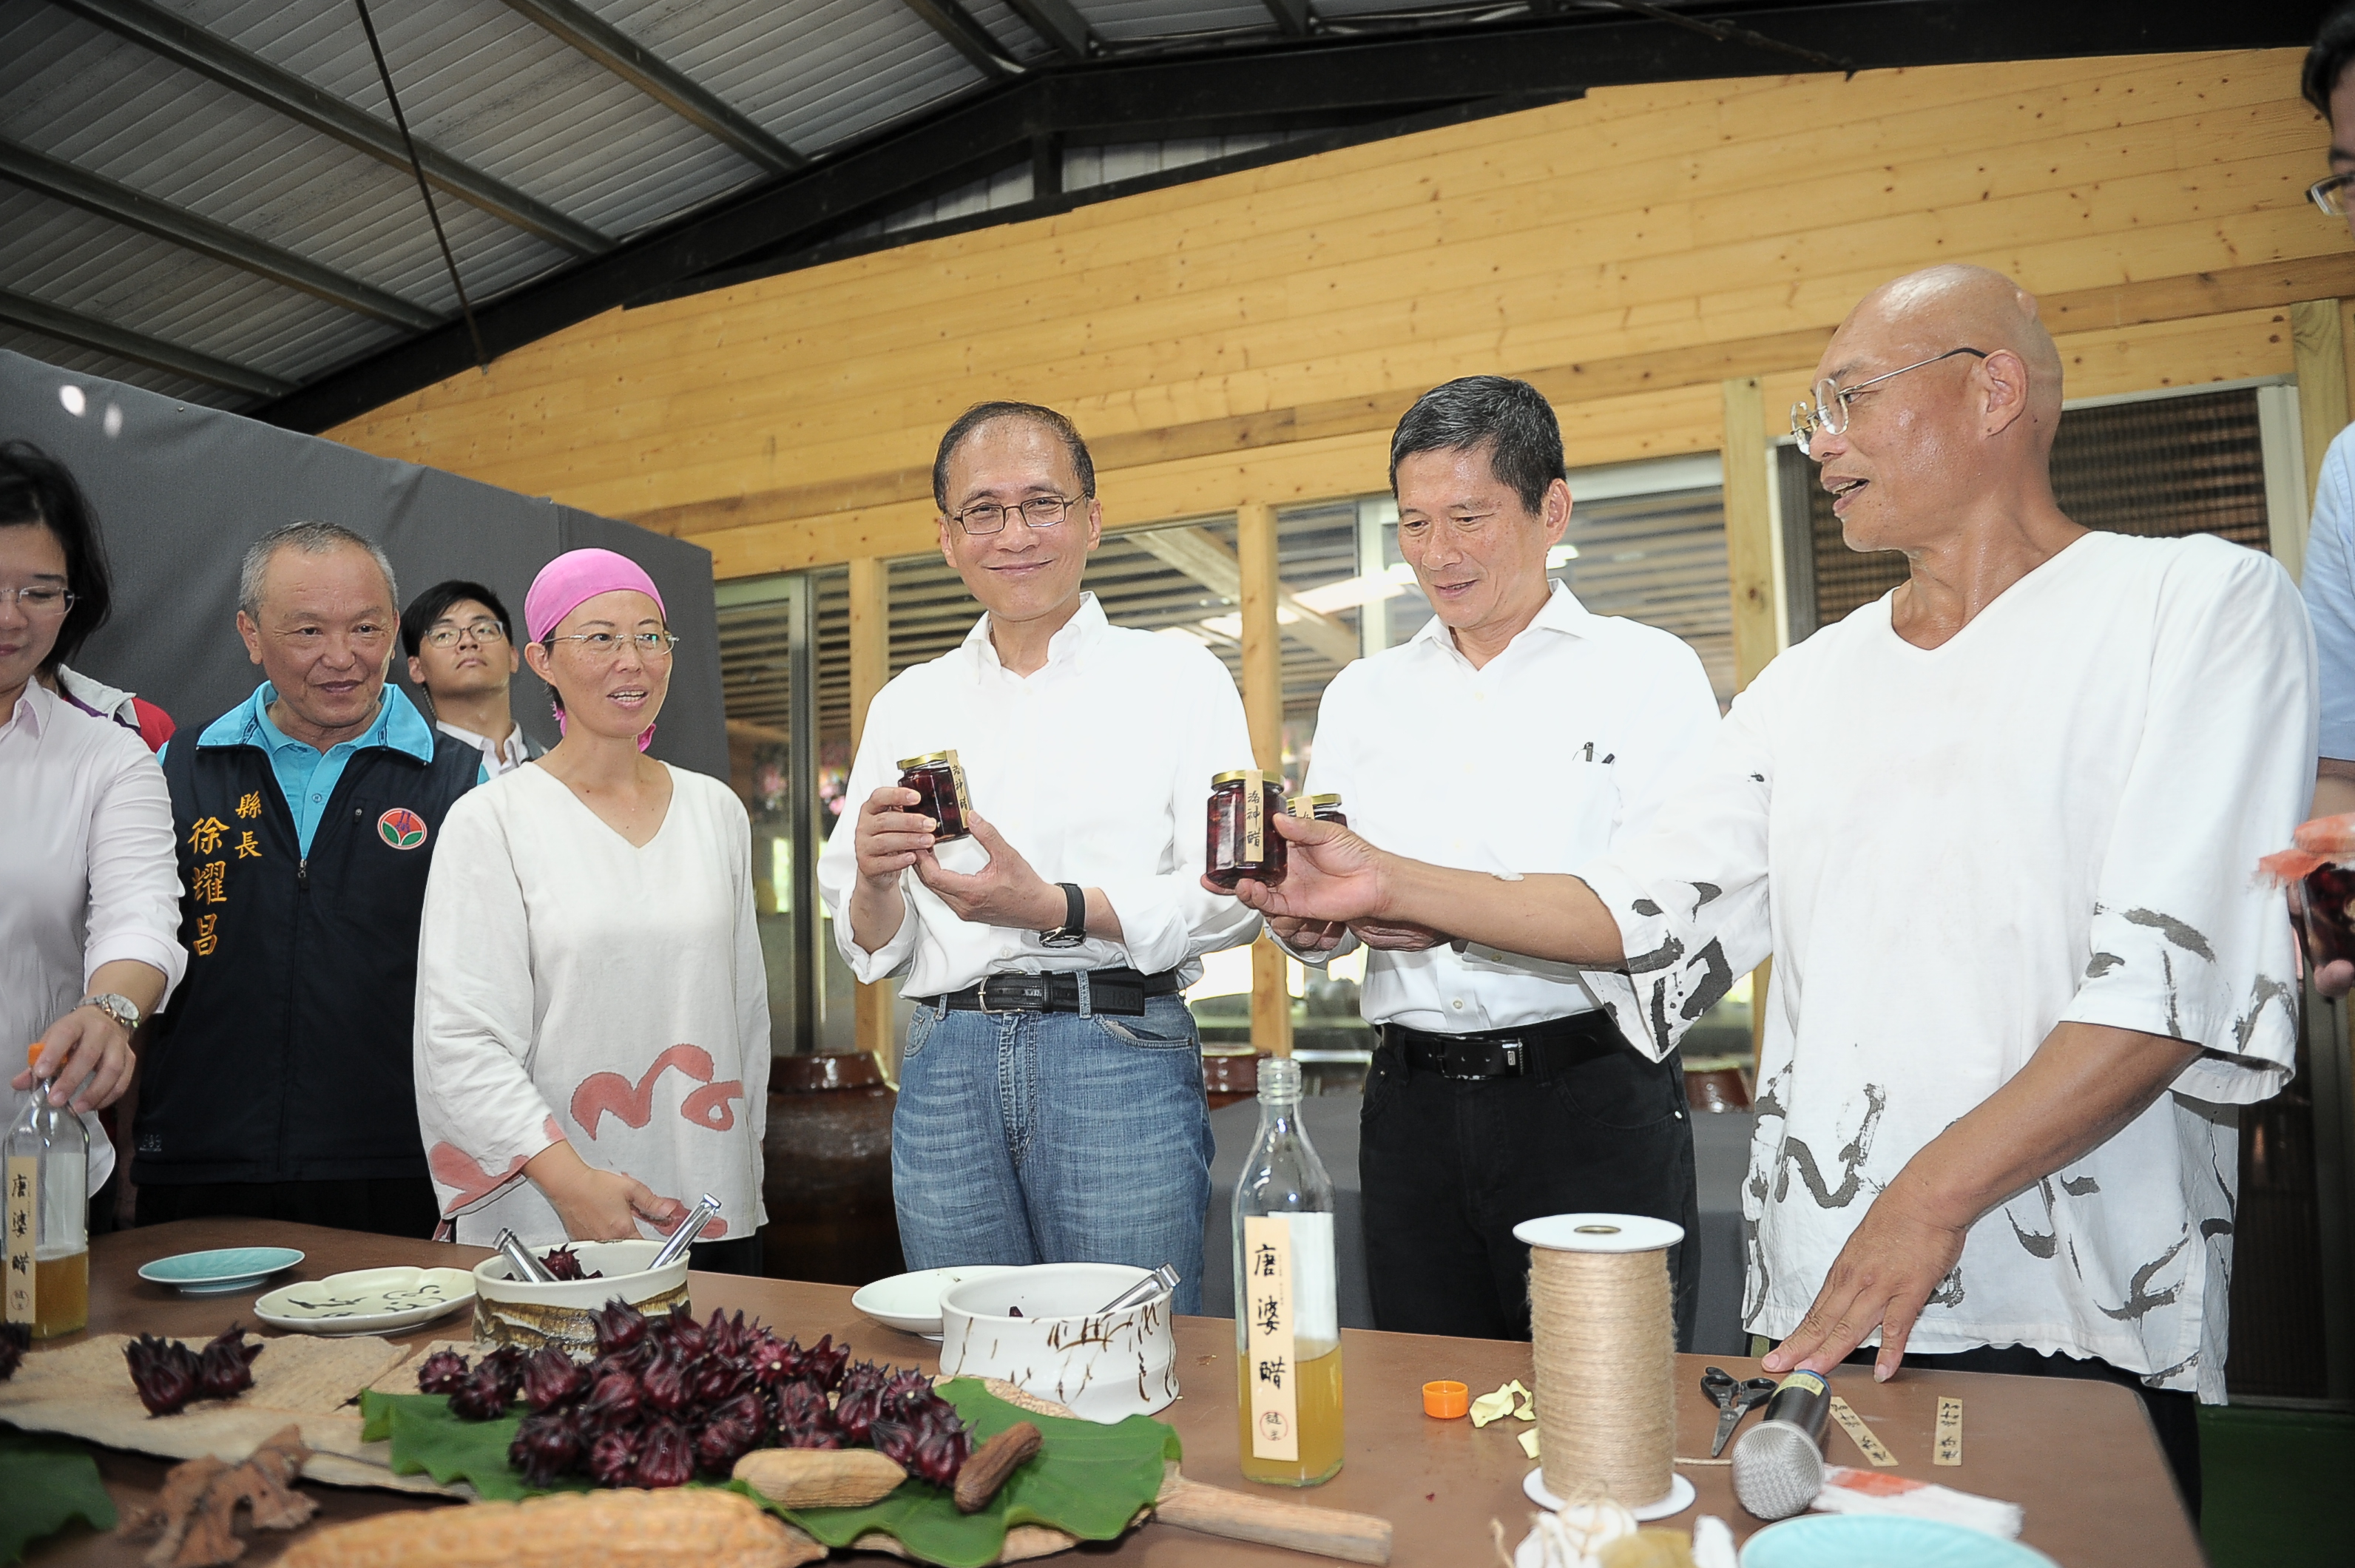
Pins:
x: 277, y: 1083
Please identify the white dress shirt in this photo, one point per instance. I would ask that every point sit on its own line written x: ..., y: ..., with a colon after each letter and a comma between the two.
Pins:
x: 1096, y: 768
x: 498, y: 756
x: 1536, y: 761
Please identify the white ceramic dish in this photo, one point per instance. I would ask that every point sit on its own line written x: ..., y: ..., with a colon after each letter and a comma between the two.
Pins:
x: 366, y: 1301
x: 509, y: 1311
x: 1104, y: 1366
x: 911, y: 1302
x: 222, y: 1271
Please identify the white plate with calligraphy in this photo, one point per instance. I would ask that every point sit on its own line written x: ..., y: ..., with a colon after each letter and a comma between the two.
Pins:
x: 366, y: 1301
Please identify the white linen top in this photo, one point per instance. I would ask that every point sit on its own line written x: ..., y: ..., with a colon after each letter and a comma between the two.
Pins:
x: 88, y: 875
x: 1584, y: 721
x: 2056, y: 815
x: 570, y: 986
x: 1096, y: 767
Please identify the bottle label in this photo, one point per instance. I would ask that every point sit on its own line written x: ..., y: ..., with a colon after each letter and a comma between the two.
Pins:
x: 956, y: 779
x: 23, y: 1174
x: 1254, y: 852
x: 1269, y: 1341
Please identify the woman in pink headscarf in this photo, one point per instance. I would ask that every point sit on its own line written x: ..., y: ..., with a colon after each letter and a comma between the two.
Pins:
x: 592, y: 1015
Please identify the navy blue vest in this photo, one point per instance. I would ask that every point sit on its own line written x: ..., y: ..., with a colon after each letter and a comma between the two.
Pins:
x: 284, y: 1055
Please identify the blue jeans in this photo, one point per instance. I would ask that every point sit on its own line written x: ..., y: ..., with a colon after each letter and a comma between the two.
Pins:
x: 1053, y: 1137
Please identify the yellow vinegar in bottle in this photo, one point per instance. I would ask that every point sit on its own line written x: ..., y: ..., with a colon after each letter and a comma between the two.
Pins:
x: 1287, y: 1328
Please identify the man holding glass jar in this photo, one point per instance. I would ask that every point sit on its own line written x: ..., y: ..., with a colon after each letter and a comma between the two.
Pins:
x: 1500, y: 1090
x: 1050, y: 1103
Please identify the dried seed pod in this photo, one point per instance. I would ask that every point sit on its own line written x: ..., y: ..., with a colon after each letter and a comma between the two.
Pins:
x: 442, y: 1372
x: 552, y: 1377
x: 992, y: 1463
x: 666, y: 1457
x: 806, y: 1478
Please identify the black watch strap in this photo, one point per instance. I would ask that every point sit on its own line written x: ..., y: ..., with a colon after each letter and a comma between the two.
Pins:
x: 1074, y: 929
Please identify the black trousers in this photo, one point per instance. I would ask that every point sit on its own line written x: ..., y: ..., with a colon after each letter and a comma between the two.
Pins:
x: 739, y: 1255
x: 392, y: 1206
x: 1450, y: 1166
x: 2174, y: 1413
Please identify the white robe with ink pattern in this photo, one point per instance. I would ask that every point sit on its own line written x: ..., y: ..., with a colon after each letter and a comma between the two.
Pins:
x: 2056, y: 815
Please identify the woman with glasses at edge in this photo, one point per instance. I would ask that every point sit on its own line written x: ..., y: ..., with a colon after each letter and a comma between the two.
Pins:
x: 90, y: 891
x: 592, y: 1015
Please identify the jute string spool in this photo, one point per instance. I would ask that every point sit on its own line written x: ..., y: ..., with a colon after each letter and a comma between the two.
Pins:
x: 1605, y: 1329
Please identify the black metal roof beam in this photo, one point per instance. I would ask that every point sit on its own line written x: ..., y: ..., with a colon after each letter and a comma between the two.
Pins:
x: 1291, y: 17
x: 73, y: 327
x: 599, y: 39
x: 1400, y: 74
x: 967, y: 36
x: 183, y: 43
x: 112, y: 199
x: 1060, y: 24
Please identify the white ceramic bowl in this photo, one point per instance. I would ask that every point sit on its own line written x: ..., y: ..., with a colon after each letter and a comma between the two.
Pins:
x: 1104, y: 1366
x: 911, y: 1302
x: 509, y: 1311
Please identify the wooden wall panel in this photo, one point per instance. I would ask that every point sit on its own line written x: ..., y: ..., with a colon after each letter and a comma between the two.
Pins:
x: 790, y: 422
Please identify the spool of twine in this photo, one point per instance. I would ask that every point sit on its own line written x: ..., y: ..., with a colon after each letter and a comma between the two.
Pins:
x: 1605, y: 1350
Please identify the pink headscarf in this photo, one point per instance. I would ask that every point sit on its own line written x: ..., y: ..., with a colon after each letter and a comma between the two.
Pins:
x: 572, y: 578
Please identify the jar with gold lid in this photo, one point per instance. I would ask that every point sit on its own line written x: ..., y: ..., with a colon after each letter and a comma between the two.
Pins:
x: 1317, y: 808
x: 1242, y: 842
x: 939, y: 777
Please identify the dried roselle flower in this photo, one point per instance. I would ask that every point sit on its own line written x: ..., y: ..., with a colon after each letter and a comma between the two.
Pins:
x: 713, y: 1379
x: 799, y: 1404
x: 442, y: 1372
x: 225, y: 1366
x: 612, y: 1402
x: 482, y: 1397
x: 546, y: 1445
x: 665, y: 1385
x: 15, y: 1338
x: 728, y: 1336
x: 940, y: 1453
x: 613, y: 1458
x: 552, y: 1377
x: 861, y: 1401
x: 509, y: 1361
x: 775, y: 1362
x: 163, y: 1371
x: 666, y: 1457
x: 684, y: 1334
x: 731, y: 1432
x: 907, y: 1393
x: 565, y: 1264
x: 824, y: 1362
x: 932, y: 1445
x: 620, y: 1327
x: 812, y: 1436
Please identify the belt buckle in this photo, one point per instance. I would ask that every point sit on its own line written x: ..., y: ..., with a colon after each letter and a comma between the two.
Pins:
x: 981, y: 998
x: 1512, y: 1049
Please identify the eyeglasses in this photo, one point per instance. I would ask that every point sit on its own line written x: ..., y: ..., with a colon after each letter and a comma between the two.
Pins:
x: 484, y: 632
x: 603, y: 644
x: 1828, y: 413
x: 2330, y: 194
x: 1038, y: 512
x: 39, y: 600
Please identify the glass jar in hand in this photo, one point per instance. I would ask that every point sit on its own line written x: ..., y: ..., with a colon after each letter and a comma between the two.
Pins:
x: 939, y: 777
x: 1242, y: 842
x: 1317, y: 808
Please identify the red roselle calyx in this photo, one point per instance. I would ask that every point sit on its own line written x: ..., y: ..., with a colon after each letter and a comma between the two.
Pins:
x: 225, y: 1367
x: 163, y: 1371
x: 546, y: 1445
x: 442, y: 1372
x: 551, y: 1378
x: 612, y: 1402
x: 613, y: 1458
x: 620, y: 1327
x: 668, y: 1457
x: 565, y: 1264
x: 482, y: 1397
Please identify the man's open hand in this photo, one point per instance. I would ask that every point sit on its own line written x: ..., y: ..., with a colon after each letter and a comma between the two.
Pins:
x: 1005, y: 893
x: 1882, y: 1279
x: 1332, y: 876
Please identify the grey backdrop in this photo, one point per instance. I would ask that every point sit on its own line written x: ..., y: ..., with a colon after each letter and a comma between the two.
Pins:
x: 181, y: 491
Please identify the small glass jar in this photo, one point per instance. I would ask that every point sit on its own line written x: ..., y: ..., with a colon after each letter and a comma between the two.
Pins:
x: 939, y: 777
x: 1317, y: 808
x: 1242, y: 842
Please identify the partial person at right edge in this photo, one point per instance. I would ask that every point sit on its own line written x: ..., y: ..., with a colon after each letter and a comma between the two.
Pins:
x: 1501, y: 1090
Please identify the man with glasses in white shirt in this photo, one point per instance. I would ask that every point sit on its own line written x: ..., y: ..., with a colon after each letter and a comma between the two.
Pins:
x: 1516, y: 732
x: 1051, y: 1103
x: 462, y: 655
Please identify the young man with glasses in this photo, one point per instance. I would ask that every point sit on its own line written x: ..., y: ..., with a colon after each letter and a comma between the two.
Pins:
x: 462, y: 655
x: 1999, y: 831
x: 1050, y: 1103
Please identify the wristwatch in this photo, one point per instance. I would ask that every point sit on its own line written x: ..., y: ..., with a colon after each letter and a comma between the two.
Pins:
x: 1074, y: 929
x: 122, y: 1009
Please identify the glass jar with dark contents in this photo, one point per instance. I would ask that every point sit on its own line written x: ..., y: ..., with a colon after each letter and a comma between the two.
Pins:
x: 940, y: 779
x: 1318, y: 808
x: 2326, y: 903
x: 1242, y: 841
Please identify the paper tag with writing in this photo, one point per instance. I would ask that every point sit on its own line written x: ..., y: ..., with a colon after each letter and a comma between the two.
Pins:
x: 1254, y: 819
x: 24, y: 1178
x: 1268, y: 1337
x: 1859, y: 1433
x: 1949, y: 1446
x: 957, y: 778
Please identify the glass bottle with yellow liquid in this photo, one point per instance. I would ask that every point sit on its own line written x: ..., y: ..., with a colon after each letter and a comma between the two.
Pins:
x: 45, y: 1270
x: 1288, y: 1325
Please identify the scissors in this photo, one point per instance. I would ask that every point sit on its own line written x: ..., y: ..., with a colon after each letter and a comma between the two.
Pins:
x: 1735, y: 1399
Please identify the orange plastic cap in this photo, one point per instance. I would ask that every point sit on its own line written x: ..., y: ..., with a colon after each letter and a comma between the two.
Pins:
x: 1446, y: 1401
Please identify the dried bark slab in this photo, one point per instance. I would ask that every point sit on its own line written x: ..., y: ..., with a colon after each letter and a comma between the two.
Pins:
x: 681, y: 1528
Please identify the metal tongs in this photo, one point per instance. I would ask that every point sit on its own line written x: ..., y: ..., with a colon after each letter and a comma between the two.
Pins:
x: 688, y: 1229
x: 522, y: 1263
x: 1160, y: 1280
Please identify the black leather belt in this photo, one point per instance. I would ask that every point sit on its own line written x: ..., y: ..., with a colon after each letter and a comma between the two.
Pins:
x: 1118, y: 991
x: 1532, y: 1051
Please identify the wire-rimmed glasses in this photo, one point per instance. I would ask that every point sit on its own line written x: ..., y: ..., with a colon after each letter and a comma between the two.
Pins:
x: 1038, y: 512
x: 485, y: 632
x: 1829, y: 411
x: 2330, y: 194
x: 41, y: 598
x: 605, y: 644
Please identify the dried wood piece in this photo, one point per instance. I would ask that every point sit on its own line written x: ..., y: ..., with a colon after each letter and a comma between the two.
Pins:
x: 196, y: 1515
x: 691, y: 1527
x: 820, y: 1477
x: 988, y: 1466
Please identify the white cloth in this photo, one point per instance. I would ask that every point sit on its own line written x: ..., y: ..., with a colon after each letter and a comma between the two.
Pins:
x: 1096, y: 768
x: 570, y: 986
x: 1580, y: 723
x: 498, y: 756
x: 88, y: 877
x: 2055, y: 817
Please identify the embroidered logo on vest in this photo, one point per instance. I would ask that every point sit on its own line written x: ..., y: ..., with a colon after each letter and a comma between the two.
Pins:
x: 401, y: 827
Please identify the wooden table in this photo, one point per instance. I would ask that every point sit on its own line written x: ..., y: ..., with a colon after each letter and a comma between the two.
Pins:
x: 2079, y: 1456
